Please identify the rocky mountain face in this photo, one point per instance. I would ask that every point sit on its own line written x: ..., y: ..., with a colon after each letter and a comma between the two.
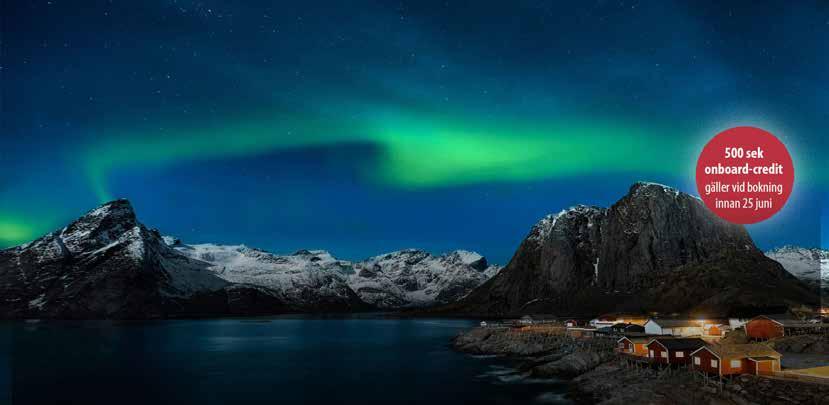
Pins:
x: 560, y: 254
x: 809, y: 265
x: 655, y: 250
x: 108, y: 265
x: 415, y: 278
x: 655, y: 228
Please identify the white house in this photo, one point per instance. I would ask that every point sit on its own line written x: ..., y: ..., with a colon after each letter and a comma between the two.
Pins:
x: 735, y: 323
x: 673, y: 327
x: 604, y: 321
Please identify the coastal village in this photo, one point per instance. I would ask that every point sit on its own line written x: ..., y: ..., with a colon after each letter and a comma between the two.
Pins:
x: 627, y: 357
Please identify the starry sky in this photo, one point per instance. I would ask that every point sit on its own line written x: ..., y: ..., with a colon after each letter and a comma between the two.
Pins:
x: 362, y: 127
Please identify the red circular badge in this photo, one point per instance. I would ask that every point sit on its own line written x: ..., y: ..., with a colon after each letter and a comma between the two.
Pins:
x: 745, y: 175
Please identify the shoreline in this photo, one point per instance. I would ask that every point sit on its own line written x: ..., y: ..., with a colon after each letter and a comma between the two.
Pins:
x: 595, y: 373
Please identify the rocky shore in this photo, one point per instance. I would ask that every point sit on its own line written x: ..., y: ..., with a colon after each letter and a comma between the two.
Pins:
x: 546, y: 353
x: 598, y: 375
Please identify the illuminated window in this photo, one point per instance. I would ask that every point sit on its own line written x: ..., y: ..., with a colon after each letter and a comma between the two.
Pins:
x: 714, y: 363
x: 664, y: 355
x: 650, y: 353
x: 680, y: 354
x: 736, y: 363
x: 696, y: 361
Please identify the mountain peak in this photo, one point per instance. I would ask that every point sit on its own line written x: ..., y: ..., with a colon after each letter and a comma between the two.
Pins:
x: 120, y: 209
x: 542, y: 229
x: 645, y: 188
x: 101, y: 226
x: 648, y: 251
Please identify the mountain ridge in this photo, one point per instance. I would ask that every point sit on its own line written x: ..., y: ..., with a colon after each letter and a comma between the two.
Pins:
x: 106, y: 264
x: 655, y: 250
x: 810, y: 265
x: 393, y: 280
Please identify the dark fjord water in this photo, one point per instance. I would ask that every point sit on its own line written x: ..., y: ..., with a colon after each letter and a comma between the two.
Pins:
x: 269, y: 361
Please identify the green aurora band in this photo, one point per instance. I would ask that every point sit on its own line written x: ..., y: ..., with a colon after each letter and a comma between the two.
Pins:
x: 414, y: 152
x: 14, y: 231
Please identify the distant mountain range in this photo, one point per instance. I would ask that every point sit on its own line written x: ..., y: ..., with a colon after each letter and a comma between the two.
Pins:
x: 414, y: 278
x: 654, y: 250
x: 106, y: 264
x: 811, y: 265
x: 314, y: 280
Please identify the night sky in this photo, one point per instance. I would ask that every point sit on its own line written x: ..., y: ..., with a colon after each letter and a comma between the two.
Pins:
x: 362, y: 127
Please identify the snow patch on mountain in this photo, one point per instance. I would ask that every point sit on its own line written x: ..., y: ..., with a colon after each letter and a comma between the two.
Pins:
x: 104, y: 264
x: 416, y: 278
x: 407, y: 278
x: 810, y: 265
x: 307, y: 278
x: 543, y: 227
x: 645, y: 187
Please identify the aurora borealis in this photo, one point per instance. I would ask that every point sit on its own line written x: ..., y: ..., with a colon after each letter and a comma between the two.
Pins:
x: 363, y: 127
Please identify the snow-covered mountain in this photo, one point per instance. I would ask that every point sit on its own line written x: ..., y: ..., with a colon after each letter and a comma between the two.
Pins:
x: 306, y: 280
x: 810, y: 265
x: 415, y: 278
x: 106, y: 264
x: 407, y: 278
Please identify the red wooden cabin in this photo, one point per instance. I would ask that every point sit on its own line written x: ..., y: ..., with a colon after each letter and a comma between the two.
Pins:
x: 766, y: 327
x: 634, y: 345
x: 673, y: 350
x: 726, y: 360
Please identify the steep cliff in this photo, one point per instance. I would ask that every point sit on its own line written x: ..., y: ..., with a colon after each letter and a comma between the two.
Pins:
x: 655, y: 250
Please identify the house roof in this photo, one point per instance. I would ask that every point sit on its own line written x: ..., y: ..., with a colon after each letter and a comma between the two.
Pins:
x: 675, y: 323
x: 783, y: 319
x: 763, y: 358
x: 680, y: 344
x: 743, y: 350
x: 637, y: 339
x: 711, y: 325
x: 632, y: 327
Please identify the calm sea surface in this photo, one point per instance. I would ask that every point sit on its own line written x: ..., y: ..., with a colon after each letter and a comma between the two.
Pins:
x: 269, y: 361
